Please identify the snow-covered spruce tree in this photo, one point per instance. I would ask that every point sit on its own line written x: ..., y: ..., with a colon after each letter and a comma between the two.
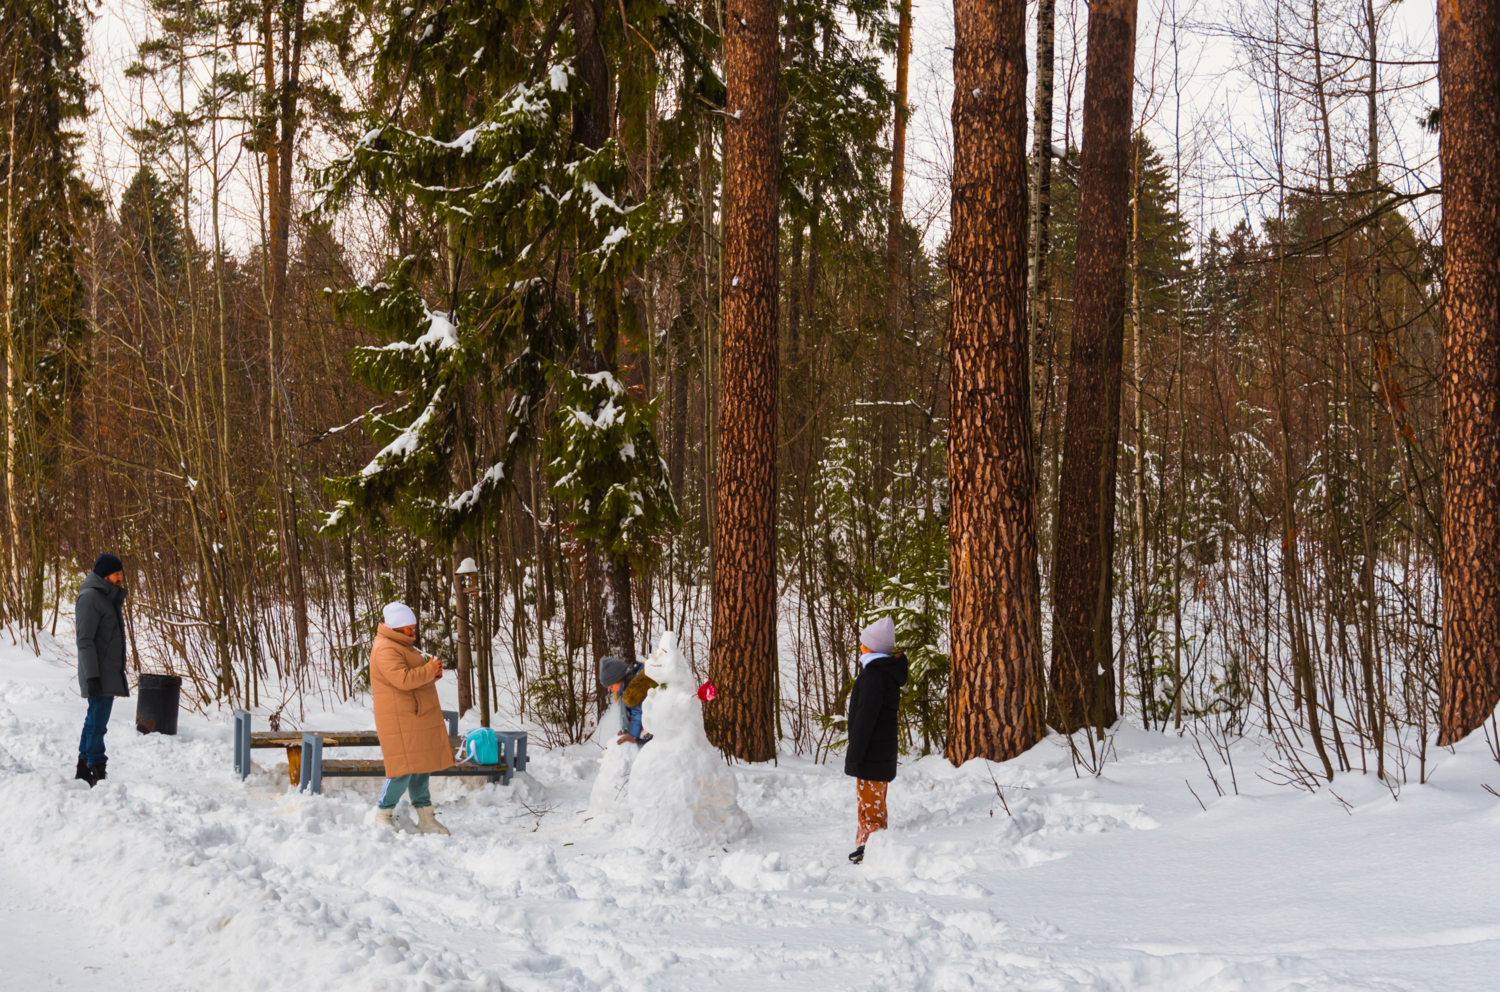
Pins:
x: 512, y: 238
x: 44, y: 326
x: 605, y: 464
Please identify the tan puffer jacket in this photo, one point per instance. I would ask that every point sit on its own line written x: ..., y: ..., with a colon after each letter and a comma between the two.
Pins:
x: 408, y: 716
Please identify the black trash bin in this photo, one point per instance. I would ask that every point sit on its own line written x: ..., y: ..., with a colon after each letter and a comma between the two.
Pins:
x: 156, y: 704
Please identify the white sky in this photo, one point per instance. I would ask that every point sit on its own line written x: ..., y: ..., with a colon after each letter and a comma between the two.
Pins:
x: 1217, y: 101
x: 1224, y: 111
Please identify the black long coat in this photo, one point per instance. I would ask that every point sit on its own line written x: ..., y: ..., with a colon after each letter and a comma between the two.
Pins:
x: 101, y: 637
x: 873, y: 705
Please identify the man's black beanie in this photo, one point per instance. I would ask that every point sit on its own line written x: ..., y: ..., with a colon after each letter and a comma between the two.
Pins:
x: 107, y: 564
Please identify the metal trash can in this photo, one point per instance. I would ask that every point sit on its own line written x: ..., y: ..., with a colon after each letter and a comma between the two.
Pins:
x: 156, y: 702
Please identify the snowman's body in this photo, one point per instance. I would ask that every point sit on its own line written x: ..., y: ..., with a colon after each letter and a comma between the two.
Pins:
x: 608, y: 795
x: 680, y: 791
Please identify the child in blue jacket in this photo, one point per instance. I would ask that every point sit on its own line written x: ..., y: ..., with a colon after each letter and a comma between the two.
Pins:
x: 628, y: 684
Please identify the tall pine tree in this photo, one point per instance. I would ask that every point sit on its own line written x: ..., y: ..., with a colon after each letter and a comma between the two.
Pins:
x: 743, y: 649
x: 1469, y: 77
x: 995, y: 681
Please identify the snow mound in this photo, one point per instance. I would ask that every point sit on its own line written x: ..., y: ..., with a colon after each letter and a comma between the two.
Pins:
x: 681, y: 792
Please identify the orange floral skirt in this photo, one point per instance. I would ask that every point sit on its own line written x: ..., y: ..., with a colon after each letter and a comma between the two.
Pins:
x: 872, y: 814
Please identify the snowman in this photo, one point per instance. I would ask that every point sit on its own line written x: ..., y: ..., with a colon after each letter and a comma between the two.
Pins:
x: 680, y: 791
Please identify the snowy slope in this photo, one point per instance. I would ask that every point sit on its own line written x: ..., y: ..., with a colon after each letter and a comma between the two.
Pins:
x: 175, y: 875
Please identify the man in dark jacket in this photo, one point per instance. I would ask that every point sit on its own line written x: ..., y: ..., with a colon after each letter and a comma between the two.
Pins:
x: 873, y: 735
x: 101, y: 659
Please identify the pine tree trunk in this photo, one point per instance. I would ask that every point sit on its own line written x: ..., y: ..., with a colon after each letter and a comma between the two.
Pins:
x: 677, y: 459
x: 742, y: 652
x: 1144, y: 625
x: 619, y: 628
x: 1469, y: 77
x: 994, y: 687
x: 10, y: 588
x: 890, y: 396
x: 279, y: 153
x: 461, y: 629
x: 1082, y: 588
x: 1041, y: 191
x: 608, y: 579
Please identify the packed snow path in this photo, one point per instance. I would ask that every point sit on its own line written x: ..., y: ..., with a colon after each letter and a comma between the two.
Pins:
x: 175, y: 875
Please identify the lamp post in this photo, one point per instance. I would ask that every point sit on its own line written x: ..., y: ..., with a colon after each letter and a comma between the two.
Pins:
x: 465, y: 584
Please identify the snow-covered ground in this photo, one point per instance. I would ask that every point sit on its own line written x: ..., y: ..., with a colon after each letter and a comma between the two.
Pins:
x: 174, y: 875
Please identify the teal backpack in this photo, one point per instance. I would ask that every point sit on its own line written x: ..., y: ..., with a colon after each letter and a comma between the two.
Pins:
x: 482, y: 747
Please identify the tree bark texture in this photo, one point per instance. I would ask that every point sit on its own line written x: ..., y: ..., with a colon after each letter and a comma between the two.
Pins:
x: 619, y: 628
x: 742, y: 651
x: 279, y: 151
x: 609, y: 577
x: 995, y: 682
x: 1469, y: 79
x: 1082, y: 641
x: 461, y: 630
x: 1041, y: 187
x: 888, y: 412
x: 591, y: 120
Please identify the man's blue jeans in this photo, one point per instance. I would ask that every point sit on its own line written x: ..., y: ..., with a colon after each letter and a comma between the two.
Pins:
x: 91, y: 746
x: 415, y: 785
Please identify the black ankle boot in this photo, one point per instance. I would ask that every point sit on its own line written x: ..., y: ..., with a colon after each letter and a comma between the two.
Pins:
x: 98, y: 771
x: 857, y: 856
x: 85, y: 772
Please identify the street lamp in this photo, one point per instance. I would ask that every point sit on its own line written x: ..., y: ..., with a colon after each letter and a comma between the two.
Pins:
x: 465, y: 569
x: 466, y: 584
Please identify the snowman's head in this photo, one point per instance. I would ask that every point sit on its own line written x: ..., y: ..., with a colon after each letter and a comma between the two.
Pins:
x: 666, y: 664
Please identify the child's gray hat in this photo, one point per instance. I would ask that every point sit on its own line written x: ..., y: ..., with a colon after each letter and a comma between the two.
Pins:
x: 612, y: 670
x: 880, y: 636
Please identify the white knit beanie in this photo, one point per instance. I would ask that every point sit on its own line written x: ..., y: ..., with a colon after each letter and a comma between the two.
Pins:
x: 880, y: 636
x: 398, y: 615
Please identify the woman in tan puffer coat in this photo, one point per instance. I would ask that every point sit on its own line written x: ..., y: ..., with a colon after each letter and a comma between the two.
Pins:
x: 408, y: 718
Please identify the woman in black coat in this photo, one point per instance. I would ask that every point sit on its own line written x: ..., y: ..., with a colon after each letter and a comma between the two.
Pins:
x: 873, y: 738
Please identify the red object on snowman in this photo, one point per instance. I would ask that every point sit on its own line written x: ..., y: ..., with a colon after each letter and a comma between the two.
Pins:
x: 706, y: 691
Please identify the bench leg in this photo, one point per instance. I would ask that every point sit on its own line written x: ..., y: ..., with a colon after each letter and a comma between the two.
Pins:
x: 515, y: 748
x: 507, y: 753
x: 242, y: 743
x: 310, y: 775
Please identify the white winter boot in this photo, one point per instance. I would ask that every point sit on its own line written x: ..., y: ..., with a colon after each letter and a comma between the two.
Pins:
x: 383, y: 819
x: 427, y: 822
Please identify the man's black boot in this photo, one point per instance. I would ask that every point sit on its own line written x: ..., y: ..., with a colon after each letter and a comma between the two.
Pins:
x: 85, y: 772
x: 98, y: 771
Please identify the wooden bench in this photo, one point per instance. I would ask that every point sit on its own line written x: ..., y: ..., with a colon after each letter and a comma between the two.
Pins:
x: 306, y: 766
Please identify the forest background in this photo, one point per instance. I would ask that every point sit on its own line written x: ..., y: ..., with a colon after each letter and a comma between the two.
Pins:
x: 307, y: 304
